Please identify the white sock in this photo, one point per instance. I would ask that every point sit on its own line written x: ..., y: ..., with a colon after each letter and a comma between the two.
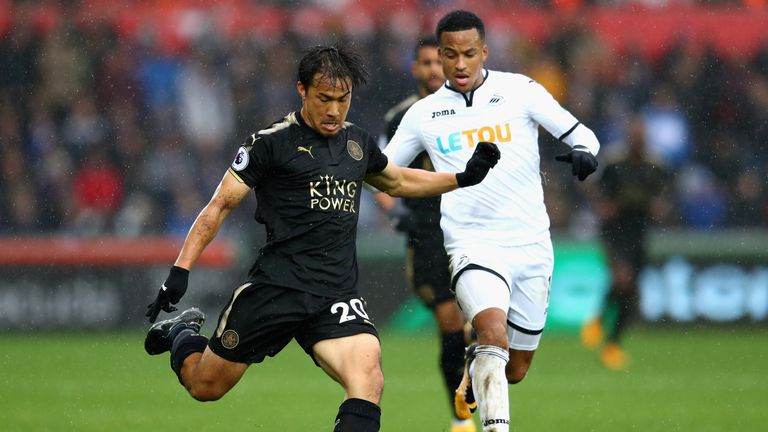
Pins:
x: 489, y: 383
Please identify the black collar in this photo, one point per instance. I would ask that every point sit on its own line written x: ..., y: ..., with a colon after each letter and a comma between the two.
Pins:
x: 469, y: 96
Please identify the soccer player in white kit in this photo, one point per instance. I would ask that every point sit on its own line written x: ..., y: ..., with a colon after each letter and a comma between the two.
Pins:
x: 496, y: 233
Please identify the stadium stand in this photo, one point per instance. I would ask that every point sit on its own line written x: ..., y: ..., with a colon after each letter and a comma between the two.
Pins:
x: 108, y: 110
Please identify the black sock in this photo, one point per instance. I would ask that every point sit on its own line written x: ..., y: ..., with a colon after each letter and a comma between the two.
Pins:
x: 627, y: 303
x: 452, y: 361
x: 622, y: 304
x: 358, y: 415
x: 611, y: 312
x: 186, y: 342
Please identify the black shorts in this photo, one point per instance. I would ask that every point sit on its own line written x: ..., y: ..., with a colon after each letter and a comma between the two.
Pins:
x: 427, y: 269
x: 260, y: 320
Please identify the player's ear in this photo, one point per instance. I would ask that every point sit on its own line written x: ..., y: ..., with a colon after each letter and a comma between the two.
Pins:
x: 485, y: 52
x: 302, y: 91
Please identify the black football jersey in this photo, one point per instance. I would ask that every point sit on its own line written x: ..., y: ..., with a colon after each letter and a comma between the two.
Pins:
x: 426, y: 210
x: 308, y: 189
x: 631, y: 185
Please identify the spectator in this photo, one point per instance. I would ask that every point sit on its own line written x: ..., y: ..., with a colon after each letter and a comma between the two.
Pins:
x: 68, y: 85
x: 98, y: 190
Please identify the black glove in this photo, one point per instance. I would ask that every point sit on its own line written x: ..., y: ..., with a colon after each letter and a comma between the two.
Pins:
x: 170, y: 292
x: 583, y: 163
x: 484, y: 158
x: 402, y: 217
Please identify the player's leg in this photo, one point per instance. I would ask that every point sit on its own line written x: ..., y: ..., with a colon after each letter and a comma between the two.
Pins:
x: 427, y: 269
x: 620, y: 297
x: 531, y: 267
x: 355, y: 363
x: 450, y: 324
x: 208, y: 377
x: 618, y: 310
x: 453, y: 343
x: 519, y: 363
x: 259, y: 320
x: 343, y: 341
x: 525, y: 322
x: 205, y: 375
x: 484, y: 299
x: 522, y: 346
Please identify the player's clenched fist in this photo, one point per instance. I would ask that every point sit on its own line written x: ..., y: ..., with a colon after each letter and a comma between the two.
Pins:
x: 484, y: 158
x: 583, y: 163
x: 171, y: 291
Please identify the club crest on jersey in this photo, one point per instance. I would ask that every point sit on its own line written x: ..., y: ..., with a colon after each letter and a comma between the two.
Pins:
x: 443, y: 113
x: 354, y: 150
x: 241, y: 159
x: 230, y: 339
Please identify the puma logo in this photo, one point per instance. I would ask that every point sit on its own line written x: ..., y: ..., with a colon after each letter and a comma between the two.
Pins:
x: 308, y: 150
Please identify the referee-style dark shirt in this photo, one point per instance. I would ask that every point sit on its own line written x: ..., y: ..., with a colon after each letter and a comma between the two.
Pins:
x: 308, y: 189
x: 426, y: 210
x: 631, y: 185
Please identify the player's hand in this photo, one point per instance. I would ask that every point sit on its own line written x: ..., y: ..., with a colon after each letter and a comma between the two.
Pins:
x: 171, y: 291
x: 402, y: 218
x: 484, y: 158
x: 583, y: 163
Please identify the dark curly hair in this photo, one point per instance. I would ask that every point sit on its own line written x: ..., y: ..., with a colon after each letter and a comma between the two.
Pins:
x: 333, y: 63
x: 459, y: 20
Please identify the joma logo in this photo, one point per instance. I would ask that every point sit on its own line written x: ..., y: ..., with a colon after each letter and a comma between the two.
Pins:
x: 445, y: 112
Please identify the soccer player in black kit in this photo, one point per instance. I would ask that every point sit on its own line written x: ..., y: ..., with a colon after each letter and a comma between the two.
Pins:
x: 633, y: 198
x: 427, y: 266
x: 307, y: 172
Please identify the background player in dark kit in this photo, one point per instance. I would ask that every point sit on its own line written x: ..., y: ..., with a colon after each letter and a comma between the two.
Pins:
x: 307, y: 172
x: 632, y: 198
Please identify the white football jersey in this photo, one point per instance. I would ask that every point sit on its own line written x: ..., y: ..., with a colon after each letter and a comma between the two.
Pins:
x: 507, y: 207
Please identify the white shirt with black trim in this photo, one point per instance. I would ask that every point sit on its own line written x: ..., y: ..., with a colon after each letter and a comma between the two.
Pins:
x: 508, y: 206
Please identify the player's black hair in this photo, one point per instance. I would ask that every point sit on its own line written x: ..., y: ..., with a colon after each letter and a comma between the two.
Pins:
x: 333, y: 63
x: 424, y: 41
x: 459, y: 20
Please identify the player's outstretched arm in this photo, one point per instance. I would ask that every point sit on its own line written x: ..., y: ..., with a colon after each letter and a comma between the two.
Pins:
x: 415, y: 183
x: 227, y: 196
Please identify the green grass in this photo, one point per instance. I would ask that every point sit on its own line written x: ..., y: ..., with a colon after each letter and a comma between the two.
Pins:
x: 695, y: 380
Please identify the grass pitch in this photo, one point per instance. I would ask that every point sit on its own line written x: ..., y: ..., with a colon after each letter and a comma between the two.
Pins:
x: 680, y: 379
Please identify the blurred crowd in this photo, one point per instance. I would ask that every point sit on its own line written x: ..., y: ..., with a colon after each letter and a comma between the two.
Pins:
x: 101, y: 133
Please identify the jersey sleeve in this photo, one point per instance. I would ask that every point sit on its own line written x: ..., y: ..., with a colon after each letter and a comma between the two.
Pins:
x: 558, y: 121
x: 547, y: 111
x: 407, y: 142
x: 253, y: 161
x: 376, y: 159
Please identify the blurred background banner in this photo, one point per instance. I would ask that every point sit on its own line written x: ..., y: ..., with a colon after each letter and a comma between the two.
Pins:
x: 117, y: 120
x: 105, y: 283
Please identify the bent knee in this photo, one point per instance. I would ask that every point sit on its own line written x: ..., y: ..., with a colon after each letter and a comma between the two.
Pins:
x: 205, y: 392
x: 365, y: 384
x: 495, y: 334
x: 374, y: 380
x: 515, y: 375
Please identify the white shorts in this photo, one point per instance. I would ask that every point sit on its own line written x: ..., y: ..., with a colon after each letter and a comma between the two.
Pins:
x: 514, y: 279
